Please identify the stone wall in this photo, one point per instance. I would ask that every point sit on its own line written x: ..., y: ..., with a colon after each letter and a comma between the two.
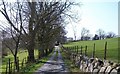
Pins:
x: 93, y: 65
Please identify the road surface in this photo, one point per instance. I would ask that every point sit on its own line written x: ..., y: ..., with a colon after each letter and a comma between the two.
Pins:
x: 54, y: 64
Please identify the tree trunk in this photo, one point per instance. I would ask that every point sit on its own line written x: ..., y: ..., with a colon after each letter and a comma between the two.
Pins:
x: 30, y: 48
x: 46, y: 52
x: 31, y: 57
x: 41, y: 51
x: 39, y: 54
x: 16, y: 62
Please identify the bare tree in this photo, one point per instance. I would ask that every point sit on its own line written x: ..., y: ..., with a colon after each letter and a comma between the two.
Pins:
x: 101, y: 33
x: 45, y: 18
x: 14, y: 19
x: 110, y: 35
x: 4, y: 34
x: 74, y: 31
x: 84, y: 33
x: 1, y: 46
x: 52, y: 26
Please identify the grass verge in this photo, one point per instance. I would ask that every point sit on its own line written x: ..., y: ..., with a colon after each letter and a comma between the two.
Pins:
x: 68, y: 63
x: 33, y: 67
x: 29, y: 68
x: 21, y: 55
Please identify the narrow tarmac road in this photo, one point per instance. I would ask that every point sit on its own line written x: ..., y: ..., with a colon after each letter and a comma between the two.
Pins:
x: 54, y: 64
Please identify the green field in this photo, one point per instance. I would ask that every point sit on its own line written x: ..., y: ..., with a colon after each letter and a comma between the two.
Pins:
x: 112, y: 47
x: 21, y: 54
x: 30, y: 67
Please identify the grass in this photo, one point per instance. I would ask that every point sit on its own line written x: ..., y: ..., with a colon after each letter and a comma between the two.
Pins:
x: 68, y: 63
x: 112, y: 47
x: 10, y: 56
x: 32, y: 67
x: 23, y: 54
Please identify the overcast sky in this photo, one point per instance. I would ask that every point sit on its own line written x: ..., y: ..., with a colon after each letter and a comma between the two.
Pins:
x: 96, y: 14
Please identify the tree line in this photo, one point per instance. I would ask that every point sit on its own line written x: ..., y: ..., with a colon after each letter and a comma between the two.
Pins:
x: 100, y: 34
x: 33, y: 25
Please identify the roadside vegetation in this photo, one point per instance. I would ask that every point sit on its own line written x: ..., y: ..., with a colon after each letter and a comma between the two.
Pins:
x: 69, y: 64
x: 29, y: 67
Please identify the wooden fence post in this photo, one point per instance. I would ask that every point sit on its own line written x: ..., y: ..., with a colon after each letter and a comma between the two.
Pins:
x: 22, y: 64
x: 6, y: 67
x: 105, y: 52
x: 73, y: 49
x: 85, y: 50
x: 14, y: 67
x: 18, y: 64
x: 9, y: 67
x: 25, y: 61
x: 94, y: 50
x: 70, y: 50
x: 77, y: 49
x: 81, y: 50
x: 39, y: 54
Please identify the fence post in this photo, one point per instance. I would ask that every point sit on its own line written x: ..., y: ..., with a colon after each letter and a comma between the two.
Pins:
x: 25, y: 60
x: 70, y: 49
x: 39, y: 54
x: 81, y: 50
x: 73, y: 49
x: 94, y: 50
x: 22, y: 64
x: 14, y: 67
x: 18, y: 64
x: 6, y: 67
x: 77, y: 49
x: 105, y: 52
x: 9, y: 67
x: 85, y: 50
